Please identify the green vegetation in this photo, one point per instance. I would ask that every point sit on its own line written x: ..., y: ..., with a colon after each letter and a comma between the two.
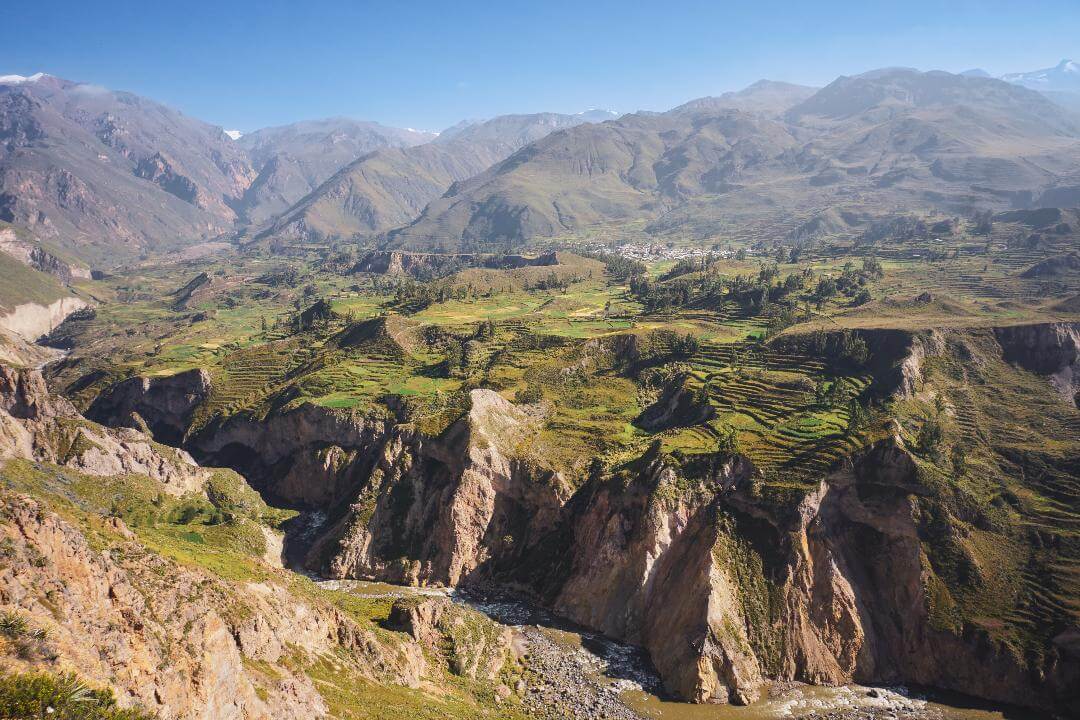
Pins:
x: 780, y: 343
x: 222, y: 534
x: 22, y: 284
x: 64, y: 697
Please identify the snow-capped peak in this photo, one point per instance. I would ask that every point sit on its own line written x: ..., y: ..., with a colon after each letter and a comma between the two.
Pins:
x: 20, y: 79
x: 234, y: 134
x: 1070, y: 66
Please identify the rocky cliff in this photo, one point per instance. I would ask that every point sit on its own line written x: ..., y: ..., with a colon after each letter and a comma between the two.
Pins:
x: 1051, y: 349
x: 724, y: 576
x: 31, y: 320
x: 162, y: 406
x: 35, y: 425
x: 218, y: 633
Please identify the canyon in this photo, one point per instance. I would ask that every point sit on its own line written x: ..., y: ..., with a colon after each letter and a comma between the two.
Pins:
x: 723, y: 579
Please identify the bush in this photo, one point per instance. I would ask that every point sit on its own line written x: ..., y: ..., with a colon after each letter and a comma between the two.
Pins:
x: 529, y: 395
x: 64, y: 697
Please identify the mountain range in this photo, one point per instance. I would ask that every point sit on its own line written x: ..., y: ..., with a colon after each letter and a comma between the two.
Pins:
x: 390, y: 187
x: 887, y: 139
x: 109, y: 175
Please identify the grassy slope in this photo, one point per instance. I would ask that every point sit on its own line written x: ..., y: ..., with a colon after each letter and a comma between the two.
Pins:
x: 223, y: 538
x: 21, y: 284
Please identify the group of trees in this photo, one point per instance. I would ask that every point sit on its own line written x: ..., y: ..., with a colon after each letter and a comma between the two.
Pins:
x: 844, y: 350
x: 697, y: 282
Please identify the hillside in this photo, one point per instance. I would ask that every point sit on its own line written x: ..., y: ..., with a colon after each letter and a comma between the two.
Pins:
x: 390, y: 187
x: 292, y: 160
x: 887, y: 139
x: 109, y: 174
x: 767, y: 97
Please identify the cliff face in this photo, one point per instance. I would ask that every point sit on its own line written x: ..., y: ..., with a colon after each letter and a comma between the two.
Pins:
x: 31, y: 320
x: 222, y: 633
x: 179, y: 642
x: 164, y: 406
x: 311, y: 457
x: 725, y: 578
x: 1051, y: 349
x: 445, y: 510
x: 24, y: 248
x: 35, y: 425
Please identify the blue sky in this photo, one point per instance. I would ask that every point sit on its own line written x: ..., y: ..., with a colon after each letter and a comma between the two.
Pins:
x: 427, y: 65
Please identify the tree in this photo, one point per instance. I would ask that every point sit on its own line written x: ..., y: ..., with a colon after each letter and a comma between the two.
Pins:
x: 728, y: 443
x: 858, y: 418
x: 684, y: 345
x: 930, y: 436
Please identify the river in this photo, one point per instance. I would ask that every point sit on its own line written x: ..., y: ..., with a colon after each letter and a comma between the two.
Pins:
x: 616, y: 680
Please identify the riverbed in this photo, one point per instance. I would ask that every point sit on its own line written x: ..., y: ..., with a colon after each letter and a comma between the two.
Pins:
x: 588, y: 676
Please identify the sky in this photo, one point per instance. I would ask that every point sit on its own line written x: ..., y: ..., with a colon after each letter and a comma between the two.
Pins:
x: 427, y: 65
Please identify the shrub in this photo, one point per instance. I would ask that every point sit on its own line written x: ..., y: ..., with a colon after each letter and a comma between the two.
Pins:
x: 728, y: 442
x: 529, y: 395
x: 63, y: 697
x: 930, y: 437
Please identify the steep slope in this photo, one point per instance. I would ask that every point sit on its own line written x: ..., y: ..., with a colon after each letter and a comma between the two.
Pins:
x: 32, y: 302
x: 888, y: 138
x: 292, y: 160
x: 636, y: 167
x: 390, y: 187
x: 108, y: 174
x: 1060, y: 83
x: 160, y: 582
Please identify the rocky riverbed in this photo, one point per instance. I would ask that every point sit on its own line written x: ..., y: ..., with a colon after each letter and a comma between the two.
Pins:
x: 570, y: 673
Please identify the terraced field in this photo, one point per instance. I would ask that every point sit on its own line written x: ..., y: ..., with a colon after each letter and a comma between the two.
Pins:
x: 768, y: 397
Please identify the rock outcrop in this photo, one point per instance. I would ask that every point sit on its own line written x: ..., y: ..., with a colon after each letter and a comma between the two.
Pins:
x: 179, y: 642
x: 23, y: 247
x: 1051, y: 349
x: 165, y: 405
x: 35, y: 425
x: 31, y: 320
x: 446, y: 510
x: 677, y: 406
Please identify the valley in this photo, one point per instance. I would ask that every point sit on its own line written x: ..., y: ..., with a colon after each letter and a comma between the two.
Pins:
x: 764, y: 406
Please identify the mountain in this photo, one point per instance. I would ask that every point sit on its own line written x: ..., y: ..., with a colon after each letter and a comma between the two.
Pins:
x: 894, y: 137
x: 389, y: 187
x: 1060, y: 83
x: 109, y: 174
x: 292, y: 160
x: 766, y: 97
x: 1064, y: 77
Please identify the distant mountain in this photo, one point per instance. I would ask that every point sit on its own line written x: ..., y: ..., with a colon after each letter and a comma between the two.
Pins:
x: 766, y: 97
x: 390, y: 187
x: 1060, y: 83
x: 596, y: 115
x: 889, y: 138
x: 292, y: 160
x: 1065, y: 76
x: 109, y: 174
